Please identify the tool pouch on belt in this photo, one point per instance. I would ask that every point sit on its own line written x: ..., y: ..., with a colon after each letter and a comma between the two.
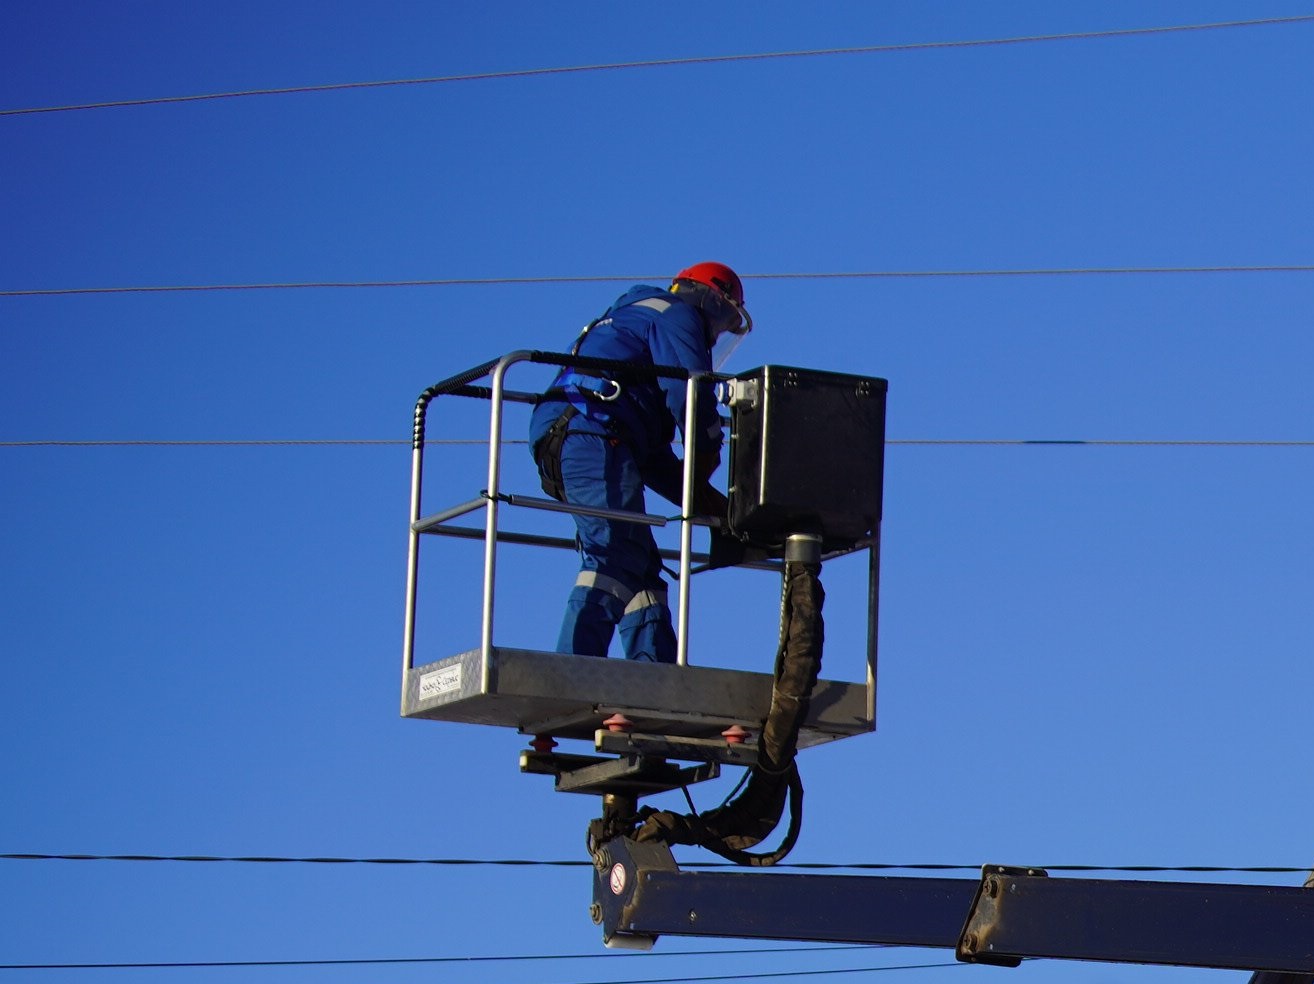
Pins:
x: 547, y: 455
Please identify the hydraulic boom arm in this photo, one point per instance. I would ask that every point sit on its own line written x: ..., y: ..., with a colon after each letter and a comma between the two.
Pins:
x: 1008, y: 915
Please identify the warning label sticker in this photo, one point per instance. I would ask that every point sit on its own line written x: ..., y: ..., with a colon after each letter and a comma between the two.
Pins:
x: 617, y: 879
x: 435, y: 683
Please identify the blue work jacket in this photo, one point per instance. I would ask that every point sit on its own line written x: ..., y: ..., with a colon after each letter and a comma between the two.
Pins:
x: 645, y: 326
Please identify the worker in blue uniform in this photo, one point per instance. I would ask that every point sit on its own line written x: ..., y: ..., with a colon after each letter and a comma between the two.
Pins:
x: 600, y: 437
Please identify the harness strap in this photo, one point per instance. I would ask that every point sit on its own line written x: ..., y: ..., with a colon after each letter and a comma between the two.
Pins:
x: 580, y: 400
x: 574, y: 350
x: 547, y: 455
x: 574, y: 383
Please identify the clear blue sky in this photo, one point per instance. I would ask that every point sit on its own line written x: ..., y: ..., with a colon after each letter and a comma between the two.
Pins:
x: 1089, y: 654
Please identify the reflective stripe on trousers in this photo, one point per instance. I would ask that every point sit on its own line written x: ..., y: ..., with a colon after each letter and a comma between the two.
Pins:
x: 632, y: 600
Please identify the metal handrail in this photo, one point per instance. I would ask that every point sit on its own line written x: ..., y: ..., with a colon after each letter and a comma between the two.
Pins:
x: 492, y: 497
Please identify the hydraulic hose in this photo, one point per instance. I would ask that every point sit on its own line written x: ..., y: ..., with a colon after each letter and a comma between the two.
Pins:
x: 751, y: 816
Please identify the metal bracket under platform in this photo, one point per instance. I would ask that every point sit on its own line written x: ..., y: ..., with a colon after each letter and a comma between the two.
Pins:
x: 632, y: 775
x: 670, y: 746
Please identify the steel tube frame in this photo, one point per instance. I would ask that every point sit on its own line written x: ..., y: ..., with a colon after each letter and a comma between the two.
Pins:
x: 490, y: 516
x: 873, y: 618
x: 559, y: 542
x: 439, y: 518
x: 686, y: 525
x: 412, y: 568
x: 413, y: 543
x: 552, y: 505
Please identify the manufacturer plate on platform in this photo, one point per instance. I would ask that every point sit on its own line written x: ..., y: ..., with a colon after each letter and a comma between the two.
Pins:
x: 435, y: 683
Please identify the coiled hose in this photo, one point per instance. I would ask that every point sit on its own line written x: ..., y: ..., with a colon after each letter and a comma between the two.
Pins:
x: 750, y: 817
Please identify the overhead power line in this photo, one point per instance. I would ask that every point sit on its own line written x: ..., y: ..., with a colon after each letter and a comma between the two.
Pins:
x: 360, y: 961
x: 252, y: 443
x: 636, y: 278
x: 1100, y: 442
x: 527, y: 862
x: 666, y: 63
x: 906, y: 442
x: 609, y: 980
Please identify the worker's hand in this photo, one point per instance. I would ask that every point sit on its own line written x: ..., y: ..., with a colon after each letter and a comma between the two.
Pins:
x: 725, y: 550
x: 709, y: 501
x: 705, y: 463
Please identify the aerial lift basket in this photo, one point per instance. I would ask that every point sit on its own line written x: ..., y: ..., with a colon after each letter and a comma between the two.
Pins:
x: 806, y: 457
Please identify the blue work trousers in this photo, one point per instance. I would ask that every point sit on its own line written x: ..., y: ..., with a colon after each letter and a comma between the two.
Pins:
x: 620, y: 582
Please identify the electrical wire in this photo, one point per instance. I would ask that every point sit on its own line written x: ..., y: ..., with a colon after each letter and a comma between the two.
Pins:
x: 610, y: 980
x: 528, y: 862
x: 668, y: 62
x: 1098, y: 442
x: 363, y: 961
x: 639, y: 278
x: 906, y: 442
x: 307, y: 442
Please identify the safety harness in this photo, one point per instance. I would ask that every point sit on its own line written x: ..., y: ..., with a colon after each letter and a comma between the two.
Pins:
x: 577, y: 388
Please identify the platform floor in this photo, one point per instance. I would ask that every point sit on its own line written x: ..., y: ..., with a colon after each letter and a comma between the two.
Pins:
x: 541, y: 693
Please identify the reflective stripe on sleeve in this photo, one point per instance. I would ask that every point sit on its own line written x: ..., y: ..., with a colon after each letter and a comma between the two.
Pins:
x: 656, y: 303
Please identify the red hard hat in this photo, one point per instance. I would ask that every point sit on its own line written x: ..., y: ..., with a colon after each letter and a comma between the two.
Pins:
x: 718, y: 276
